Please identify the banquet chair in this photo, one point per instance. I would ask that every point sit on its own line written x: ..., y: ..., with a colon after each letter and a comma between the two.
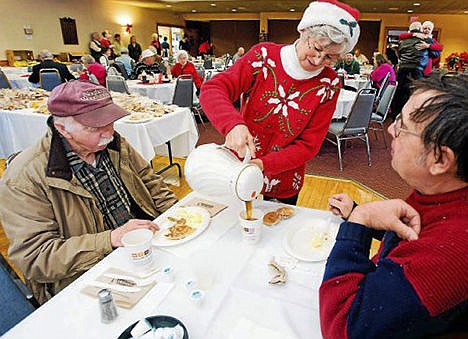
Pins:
x: 208, y: 75
x: 208, y: 64
x: 356, y: 125
x: 117, y: 83
x: 201, y: 72
x: 93, y: 79
x: 121, y: 69
x: 16, y: 299
x: 379, y: 116
x: 4, y: 82
x: 49, y: 78
x: 76, y: 68
x: 183, y: 96
x: 382, y: 88
x: 346, y: 87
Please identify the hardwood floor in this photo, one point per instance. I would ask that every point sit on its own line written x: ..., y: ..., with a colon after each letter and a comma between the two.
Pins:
x: 315, y: 193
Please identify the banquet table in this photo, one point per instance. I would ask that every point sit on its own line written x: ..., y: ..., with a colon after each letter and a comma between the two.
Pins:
x: 239, y: 302
x: 20, y: 81
x: 14, y: 70
x: 22, y: 128
x: 357, y: 83
x: 162, y: 92
x: 344, y: 104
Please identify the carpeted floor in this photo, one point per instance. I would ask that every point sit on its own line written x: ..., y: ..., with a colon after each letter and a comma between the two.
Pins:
x: 380, y: 176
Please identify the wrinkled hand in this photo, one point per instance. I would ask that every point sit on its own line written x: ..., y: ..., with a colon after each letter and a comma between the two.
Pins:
x: 389, y: 215
x: 257, y: 162
x: 419, y: 35
x: 132, y: 224
x: 422, y: 45
x: 238, y: 139
x: 341, y: 204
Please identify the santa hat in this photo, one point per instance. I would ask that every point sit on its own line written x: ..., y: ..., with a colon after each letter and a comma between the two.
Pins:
x: 333, y: 13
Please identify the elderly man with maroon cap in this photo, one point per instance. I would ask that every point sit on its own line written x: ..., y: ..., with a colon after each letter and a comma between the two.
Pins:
x: 66, y: 202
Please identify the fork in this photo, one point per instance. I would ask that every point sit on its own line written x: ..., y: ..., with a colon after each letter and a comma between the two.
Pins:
x: 126, y: 280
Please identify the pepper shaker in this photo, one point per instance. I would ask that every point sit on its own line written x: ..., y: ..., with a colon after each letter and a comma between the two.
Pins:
x: 107, y: 306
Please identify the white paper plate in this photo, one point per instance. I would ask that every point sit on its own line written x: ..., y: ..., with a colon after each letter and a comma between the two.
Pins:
x: 140, y: 118
x: 299, y: 242
x: 164, y: 223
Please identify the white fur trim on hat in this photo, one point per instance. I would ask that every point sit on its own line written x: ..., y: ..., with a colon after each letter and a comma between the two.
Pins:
x: 327, y: 13
x: 147, y: 53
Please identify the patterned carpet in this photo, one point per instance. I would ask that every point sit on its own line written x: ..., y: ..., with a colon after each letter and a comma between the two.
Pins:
x: 380, y: 176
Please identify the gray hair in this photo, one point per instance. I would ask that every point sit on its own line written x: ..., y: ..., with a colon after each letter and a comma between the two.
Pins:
x: 334, y: 35
x: 69, y: 123
x: 124, y: 50
x: 46, y: 54
x: 182, y: 53
x: 416, y: 25
x: 87, y: 59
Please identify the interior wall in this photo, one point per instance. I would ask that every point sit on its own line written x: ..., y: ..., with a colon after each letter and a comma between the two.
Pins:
x: 283, y: 31
x: 90, y: 15
x: 227, y: 36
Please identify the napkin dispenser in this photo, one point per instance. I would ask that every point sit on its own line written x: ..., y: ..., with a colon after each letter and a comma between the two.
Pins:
x: 214, y: 170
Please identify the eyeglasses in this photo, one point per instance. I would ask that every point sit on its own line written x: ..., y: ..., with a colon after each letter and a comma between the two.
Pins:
x: 397, y: 127
x: 328, y: 57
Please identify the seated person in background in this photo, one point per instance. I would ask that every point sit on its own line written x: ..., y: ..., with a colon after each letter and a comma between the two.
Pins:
x: 66, y: 202
x: 238, y: 55
x: 105, y: 58
x: 359, y: 57
x: 350, y: 65
x: 147, y: 64
x: 382, y: 68
x: 92, y: 67
x: 126, y: 60
x: 48, y: 62
x: 417, y: 285
x: 183, y: 66
x: 204, y: 48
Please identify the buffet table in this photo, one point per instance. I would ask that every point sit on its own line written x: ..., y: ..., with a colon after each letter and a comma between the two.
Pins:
x: 22, y: 128
x: 20, y: 81
x: 239, y: 302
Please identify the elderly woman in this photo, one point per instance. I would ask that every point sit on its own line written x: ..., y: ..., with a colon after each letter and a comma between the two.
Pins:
x: 382, y: 68
x: 289, y: 96
x: 94, y: 72
x: 183, y: 66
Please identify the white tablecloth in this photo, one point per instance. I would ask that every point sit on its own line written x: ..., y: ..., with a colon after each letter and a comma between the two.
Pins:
x: 19, y: 81
x: 344, y: 104
x: 357, y: 83
x: 162, y: 92
x: 14, y: 70
x: 20, y: 129
x: 239, y: 302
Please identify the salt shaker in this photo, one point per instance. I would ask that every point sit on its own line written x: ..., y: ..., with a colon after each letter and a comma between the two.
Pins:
x: 107, y: 306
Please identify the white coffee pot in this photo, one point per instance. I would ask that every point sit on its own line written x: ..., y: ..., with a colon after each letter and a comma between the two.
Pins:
x: 214, y: 170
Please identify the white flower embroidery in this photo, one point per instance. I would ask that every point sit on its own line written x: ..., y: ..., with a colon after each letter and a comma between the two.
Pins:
x: 326, y: 91
x: 258, y: 64
x: 296, y: 181
x: 269, y: 184
x: 283, y: 102
x: 257, y: 143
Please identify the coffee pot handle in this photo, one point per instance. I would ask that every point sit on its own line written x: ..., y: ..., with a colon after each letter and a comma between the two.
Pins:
x: 247, y: 157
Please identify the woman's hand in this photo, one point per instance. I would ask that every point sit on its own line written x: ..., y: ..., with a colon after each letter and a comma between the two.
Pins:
x: 341, y: 204
x: 238, y: 139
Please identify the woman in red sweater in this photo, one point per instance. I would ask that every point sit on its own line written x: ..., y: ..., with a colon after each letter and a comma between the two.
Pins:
x: 183, y: 66
x: 289, y: 97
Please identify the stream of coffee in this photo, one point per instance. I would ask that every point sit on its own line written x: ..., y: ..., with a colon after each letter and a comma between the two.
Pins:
x: 248, y: 210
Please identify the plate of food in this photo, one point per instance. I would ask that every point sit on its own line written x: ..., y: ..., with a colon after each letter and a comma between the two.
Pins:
x: 137, y: 118
x: 311, y: 242
x: 181, y: 225
x: 147, y: 327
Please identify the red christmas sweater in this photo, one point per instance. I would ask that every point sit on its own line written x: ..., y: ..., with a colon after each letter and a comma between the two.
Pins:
x: 288, y: 118
x: 189, y: 68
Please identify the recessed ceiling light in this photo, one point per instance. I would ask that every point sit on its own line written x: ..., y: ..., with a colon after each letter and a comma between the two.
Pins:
x: 393, y: 8
x: 213, y: 5
x: 292, y: 10
x: 416, y: 4
x: 466, y: 12
x: 168, y: 6
x: 374, y: 8
x: 194, y: 11
x: 410, y: 11
x: 241, y: 8
x: 234, y: 10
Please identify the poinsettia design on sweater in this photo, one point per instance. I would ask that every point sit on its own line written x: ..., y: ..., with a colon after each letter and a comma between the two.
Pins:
x: 328, y: 90
x: 283, y: 101
x: 264, y: 64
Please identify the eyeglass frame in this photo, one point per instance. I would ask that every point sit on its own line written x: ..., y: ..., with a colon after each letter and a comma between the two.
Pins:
x: 398, y: 129
x: 328, y: 57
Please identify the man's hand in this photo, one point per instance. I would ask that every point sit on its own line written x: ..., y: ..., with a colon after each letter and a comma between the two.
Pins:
x: 389, y: 215
x: 238, y: 139
x: 132, y: 224
x: 422, y: 45
x: 419, y: 35
x: 341, y: 204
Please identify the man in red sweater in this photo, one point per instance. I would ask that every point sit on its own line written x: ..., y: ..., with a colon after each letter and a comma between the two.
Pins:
x: 417, y: 285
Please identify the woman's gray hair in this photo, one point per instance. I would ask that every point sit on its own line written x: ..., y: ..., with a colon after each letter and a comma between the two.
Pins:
x: 334, y: 35
x: 87, y: 59
x: 182, y: 53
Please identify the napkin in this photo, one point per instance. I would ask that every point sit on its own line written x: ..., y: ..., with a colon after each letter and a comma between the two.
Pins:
x: 122, y: 299
x: 212, y: 207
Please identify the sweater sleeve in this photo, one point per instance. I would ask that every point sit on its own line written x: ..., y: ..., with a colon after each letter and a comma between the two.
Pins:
x: 306, y: 145
x: 361, y: 299
x: 219, y: 93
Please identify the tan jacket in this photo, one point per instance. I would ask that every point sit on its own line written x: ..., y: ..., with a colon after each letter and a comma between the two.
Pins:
x: 55, y: 229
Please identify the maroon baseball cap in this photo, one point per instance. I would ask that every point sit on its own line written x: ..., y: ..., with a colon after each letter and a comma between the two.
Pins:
x: 90, y: 104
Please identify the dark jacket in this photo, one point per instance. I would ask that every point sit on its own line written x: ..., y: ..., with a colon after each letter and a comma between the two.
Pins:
x: 352, y: 68
x: 134, y: 52
x: 63, y: 71
x: 410, y: 57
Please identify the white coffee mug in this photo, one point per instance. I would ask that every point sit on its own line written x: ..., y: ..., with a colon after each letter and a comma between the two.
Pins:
x: 138, y: 245
x: 251, y: 229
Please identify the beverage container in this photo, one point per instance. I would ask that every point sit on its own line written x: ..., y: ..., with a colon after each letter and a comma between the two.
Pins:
x: 251, y: 228
x: 138, y: 246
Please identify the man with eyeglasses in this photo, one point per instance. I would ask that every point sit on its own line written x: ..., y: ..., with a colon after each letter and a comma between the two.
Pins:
x: 417, y: 285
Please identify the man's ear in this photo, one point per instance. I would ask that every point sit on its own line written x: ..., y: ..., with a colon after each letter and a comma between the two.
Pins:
x: 444, y: 160
x: 61, y: 129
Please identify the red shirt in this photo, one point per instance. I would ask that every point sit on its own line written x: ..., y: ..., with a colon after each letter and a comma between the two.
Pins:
x: 204, y: 48
x: 189, y: 68
x: 98, y: 70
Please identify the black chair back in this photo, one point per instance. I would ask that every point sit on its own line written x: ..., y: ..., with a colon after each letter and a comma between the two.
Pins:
x: 183, y: 92
x: 382, y: 88
x: 16, y: 300
x: 4, y: 82
x: 208, y: 64
x: 359, y: 117
x: 121, y: 69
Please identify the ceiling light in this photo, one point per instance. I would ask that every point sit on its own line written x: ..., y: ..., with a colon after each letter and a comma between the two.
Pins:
x: 241, y: 7
x: 416, y: 4
x: 393, y: 8
x: 213, y: 5
x: 194, y: 11
x: 168, y: 6
x: 466, y: 12
x: 410, y: 11
x: 234, y: 10
x: 292, y: 10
